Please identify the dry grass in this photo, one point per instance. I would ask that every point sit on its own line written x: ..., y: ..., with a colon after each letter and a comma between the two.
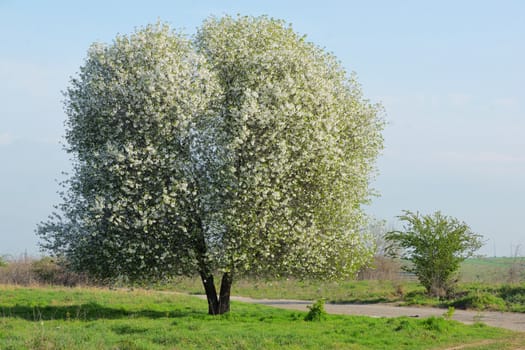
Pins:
x: 29, y: 271
x: 383, y: 268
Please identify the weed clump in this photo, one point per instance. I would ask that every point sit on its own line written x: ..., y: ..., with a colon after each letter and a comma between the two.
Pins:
x: 436, y: 324
x: 480, y: 301
x: 449, y: 313
x: 317, y: 311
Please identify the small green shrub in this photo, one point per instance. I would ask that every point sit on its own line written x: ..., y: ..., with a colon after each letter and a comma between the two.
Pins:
x: 317, y: 311
x: 513, y: 293
x: 514, y: 297
x: 436, y: 324
x: 449, y: 313
x: 480, y: 301
x: 419, y: 297
x: 402, y: 324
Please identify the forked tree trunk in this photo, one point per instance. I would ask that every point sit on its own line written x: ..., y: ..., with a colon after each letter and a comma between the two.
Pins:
x: 224, y: 295
x: 211, y: 293
x: 217, y: 305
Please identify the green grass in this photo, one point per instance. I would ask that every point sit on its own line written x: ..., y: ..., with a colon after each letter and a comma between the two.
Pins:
x: 474, y: 296
x: 475, y: 273
x: 492, y: 297
x: 370, y: 291
x: 493, y: 270
x: 52, y: 318
x: 483, y: 286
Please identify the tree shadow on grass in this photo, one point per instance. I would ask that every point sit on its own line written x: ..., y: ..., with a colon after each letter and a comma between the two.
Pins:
x: 91, y: 312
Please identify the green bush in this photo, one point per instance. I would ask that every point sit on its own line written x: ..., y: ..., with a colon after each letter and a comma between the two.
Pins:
x: 514, y: 296
x: 513, y: 293
x: 317, y: 311
x: 435, y: 245
x: 402, y: 324
x: 449, y: 313
x: 480, y: 301
x: 436, y: 324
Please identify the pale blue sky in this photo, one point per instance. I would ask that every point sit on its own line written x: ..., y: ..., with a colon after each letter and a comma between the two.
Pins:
x: 450, y: 75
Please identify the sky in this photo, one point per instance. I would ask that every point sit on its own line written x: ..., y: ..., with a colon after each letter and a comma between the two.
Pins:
x: 449, y: 74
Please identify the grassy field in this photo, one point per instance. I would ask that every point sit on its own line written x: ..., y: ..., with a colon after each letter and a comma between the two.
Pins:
x: 371, y: 291
x: 476, y: 296
x: 484, y: 285
x: 493, y: 270
x: 54, y: 318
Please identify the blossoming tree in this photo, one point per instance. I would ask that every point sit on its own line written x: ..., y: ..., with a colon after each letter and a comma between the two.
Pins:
x: 244, y: 150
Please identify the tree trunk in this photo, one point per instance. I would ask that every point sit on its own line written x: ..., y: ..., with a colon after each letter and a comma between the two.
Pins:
x: 217, y: 305
x: 224, y: 296
x: 211, y: 293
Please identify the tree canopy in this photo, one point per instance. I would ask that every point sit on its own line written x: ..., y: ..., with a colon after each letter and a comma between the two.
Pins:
x: 245, y: 149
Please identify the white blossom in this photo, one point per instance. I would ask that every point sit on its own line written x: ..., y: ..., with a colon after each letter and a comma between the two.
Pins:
x: 246, y: 149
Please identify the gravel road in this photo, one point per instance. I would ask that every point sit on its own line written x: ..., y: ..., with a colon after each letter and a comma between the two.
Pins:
x: 508, y: 320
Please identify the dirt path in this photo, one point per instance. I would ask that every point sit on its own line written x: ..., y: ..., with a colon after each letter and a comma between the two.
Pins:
x: 508, y: 320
